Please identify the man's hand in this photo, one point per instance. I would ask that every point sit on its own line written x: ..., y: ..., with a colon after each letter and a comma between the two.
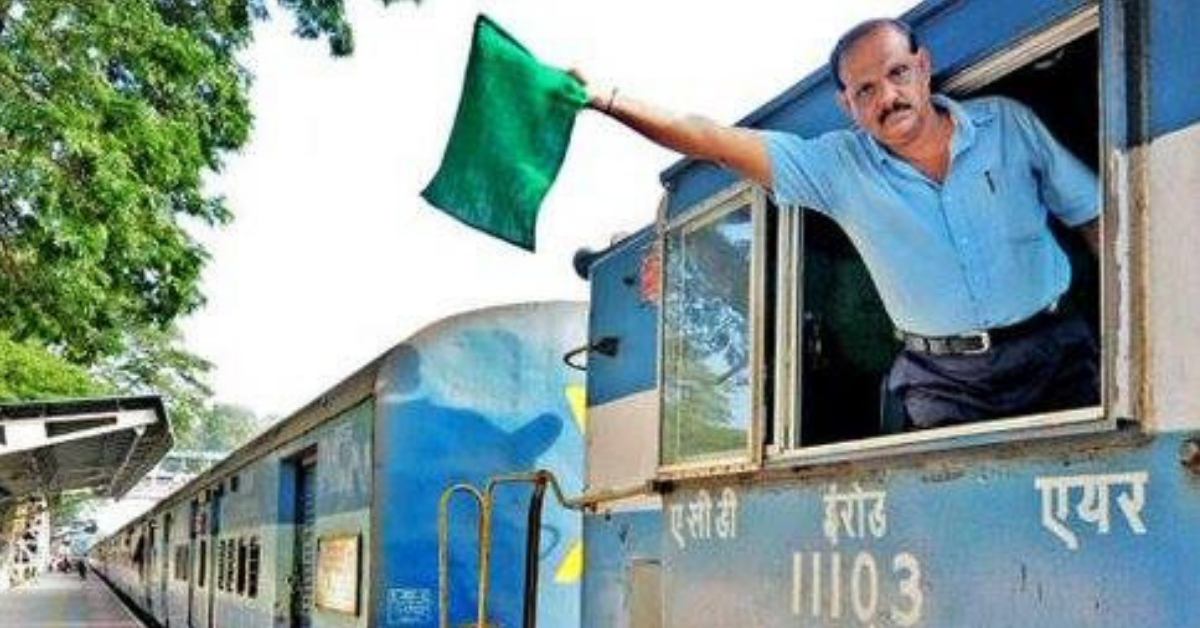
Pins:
x: 598, y: 95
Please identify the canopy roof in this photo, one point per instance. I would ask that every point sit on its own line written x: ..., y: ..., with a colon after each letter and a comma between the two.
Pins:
x: 103, y: 444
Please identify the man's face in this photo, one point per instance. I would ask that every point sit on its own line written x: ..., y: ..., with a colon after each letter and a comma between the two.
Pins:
x: 887, y: 87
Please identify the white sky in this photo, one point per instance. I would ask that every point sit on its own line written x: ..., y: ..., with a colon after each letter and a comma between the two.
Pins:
x: 333, y: 256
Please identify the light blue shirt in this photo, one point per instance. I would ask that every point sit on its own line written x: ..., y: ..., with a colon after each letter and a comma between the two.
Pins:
x: 971, y: 253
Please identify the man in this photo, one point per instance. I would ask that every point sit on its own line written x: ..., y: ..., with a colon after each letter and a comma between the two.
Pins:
x: 947, y: 203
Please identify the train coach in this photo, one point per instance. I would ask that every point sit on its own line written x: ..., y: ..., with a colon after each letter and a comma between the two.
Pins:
x: 331, y: 518
x: 738, y: 350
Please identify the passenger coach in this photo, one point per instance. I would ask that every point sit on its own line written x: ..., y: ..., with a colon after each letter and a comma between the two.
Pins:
x: 331, y: 518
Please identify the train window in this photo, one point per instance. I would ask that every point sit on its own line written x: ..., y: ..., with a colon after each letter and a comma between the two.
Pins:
x: 832, y: 404
x: 253, y: 556
x: 220, y: 566
x: 181, y: 563
x: 202, y: 568
x: 230, y: 564
x: 709, y: 320
x: 241, y: 567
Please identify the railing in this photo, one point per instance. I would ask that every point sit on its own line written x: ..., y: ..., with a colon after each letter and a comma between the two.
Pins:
x: 485, y: 499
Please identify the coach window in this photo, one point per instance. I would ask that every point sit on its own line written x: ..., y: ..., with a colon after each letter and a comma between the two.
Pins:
x: 831, y: 316
x: 711, y: 326
x: 253, y: 556
x: 203, y: 567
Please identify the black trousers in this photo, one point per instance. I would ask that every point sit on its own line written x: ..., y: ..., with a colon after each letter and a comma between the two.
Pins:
x: 1055, y: 367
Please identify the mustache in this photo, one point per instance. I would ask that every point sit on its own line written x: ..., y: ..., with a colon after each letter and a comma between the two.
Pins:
x: 896, y: 107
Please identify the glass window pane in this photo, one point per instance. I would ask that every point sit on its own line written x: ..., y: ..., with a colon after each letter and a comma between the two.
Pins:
x: 707, y: 400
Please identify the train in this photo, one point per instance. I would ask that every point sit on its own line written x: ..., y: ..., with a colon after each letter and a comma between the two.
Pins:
x: 332, y: 516
x: 733, y: 465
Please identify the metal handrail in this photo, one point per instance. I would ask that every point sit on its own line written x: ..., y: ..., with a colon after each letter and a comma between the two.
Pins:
x: 486, y: 500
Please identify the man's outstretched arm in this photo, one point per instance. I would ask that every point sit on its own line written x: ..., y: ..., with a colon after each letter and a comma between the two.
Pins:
x: 740, y: 149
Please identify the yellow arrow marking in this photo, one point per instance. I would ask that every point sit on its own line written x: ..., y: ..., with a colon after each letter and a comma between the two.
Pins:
x: 577, y: 398
x: 571, y: 568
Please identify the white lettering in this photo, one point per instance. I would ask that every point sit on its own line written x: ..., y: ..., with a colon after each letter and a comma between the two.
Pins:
x: 855, y: 514
x: 1093, y: 506
x: 700, y: 519
x: 727, y: 514
x: 910, y: 587
x: 797, y: 580
x: 864, y: 579
x: 835, y: 586
x: 824, y: 602
x: 677, y: 525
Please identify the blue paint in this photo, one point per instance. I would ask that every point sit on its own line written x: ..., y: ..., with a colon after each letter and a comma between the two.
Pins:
x: 614, y: 541
x: 468, y: 400
x: 974, y: 527
x: 619, y: 311
x: 1173, y: 78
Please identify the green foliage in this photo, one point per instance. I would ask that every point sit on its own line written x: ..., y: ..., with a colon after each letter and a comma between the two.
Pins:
x: 225, y: 428
x: 155, y: 362
x: 110, y: 111
x: 29, y: 372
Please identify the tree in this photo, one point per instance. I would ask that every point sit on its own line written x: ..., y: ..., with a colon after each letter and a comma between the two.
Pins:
x: 225, y: 428
x: 28, y: 371
x: 110, y: 113
x: 156, y: 362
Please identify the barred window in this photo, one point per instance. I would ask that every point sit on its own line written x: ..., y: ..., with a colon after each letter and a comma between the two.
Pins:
x: 253, y: 555
x: 241, y: 566
x: 200, y: 577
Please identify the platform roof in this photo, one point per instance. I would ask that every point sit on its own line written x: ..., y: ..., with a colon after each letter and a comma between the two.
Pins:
x: 105, y: 445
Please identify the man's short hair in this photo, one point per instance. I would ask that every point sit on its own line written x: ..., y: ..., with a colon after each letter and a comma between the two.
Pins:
x: 862, y: 30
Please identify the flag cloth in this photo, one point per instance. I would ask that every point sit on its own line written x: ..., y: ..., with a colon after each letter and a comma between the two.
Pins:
x: 510, y: 135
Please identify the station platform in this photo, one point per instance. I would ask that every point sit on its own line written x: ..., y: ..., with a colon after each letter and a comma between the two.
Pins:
x: 59, y: 600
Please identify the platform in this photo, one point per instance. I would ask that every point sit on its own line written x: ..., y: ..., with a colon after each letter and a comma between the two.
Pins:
x: 58, y: 600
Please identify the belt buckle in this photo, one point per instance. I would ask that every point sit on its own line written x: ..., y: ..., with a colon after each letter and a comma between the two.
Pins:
x: 985, y: 343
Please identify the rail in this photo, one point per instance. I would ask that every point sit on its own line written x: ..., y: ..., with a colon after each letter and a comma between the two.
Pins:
x: 541, y: 480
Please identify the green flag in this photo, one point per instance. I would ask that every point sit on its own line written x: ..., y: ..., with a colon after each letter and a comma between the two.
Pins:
x: 510, y: 135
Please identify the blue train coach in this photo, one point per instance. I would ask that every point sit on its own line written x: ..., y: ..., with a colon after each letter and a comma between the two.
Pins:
x: 738, y: 350
x: 331, y: 518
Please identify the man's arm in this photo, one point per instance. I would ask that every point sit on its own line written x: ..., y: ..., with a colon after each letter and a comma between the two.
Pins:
x: 740, y: 149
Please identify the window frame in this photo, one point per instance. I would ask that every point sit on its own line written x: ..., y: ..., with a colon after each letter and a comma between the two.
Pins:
x: 789, y: 303
x: 714, y: 208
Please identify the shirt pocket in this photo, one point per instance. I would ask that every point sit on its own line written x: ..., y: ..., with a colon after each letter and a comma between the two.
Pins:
x: 1009, y: 202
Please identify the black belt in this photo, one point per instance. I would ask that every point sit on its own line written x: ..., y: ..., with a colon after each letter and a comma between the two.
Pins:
x: 977, y: 342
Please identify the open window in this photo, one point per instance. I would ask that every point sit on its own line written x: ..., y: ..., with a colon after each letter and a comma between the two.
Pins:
x: 775, y: 344
x: 843, y: 335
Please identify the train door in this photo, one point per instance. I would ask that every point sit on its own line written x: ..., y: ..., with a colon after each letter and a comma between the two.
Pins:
x: 201, y: 603
x: 192, y: 552
x: 304, y: 556
x: 149, y: 555
x: 165, y: 572
x: 214, y: 532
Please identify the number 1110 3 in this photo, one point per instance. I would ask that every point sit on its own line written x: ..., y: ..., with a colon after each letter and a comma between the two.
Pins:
x: 828, y: 586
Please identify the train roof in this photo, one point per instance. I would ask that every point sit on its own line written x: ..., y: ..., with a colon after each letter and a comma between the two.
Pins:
x: 350, y: 391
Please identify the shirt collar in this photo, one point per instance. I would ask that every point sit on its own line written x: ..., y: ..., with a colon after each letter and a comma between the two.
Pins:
x: 966, y: 121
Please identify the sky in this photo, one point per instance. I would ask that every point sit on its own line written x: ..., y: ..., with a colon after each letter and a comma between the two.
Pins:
x: 333, y: 257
